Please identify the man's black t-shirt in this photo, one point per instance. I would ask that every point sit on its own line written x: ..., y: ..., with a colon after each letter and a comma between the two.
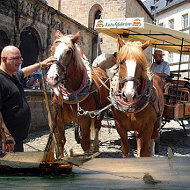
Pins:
x: 13, y: 105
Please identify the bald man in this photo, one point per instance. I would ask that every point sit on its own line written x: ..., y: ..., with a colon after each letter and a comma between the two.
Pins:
x: 15, y: 115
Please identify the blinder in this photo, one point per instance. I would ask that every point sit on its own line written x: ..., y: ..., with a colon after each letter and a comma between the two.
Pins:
x: 126, y: 79
x: 62, y: 77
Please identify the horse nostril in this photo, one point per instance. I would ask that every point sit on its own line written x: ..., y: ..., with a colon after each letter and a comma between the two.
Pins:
x: 57, y: 76
x: 134, y: 97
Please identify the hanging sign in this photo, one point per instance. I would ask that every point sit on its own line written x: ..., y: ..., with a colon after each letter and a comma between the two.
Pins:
x: 119, y: 23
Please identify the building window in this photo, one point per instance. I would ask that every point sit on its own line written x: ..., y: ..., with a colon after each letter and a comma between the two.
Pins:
x: 185, y: 21
x: 185, y: 58
x: 4, y: 41
x: 170, y: 57
x: 168, y: 2
x: 171, y: 23
x: 152, y: 8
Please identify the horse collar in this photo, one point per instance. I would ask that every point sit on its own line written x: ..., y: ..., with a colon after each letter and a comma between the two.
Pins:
x: 79, y: 94
x: 134, y: 107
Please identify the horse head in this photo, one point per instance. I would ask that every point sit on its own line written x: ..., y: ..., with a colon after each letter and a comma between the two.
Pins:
x: 63, y: 49
x: 133, y: 67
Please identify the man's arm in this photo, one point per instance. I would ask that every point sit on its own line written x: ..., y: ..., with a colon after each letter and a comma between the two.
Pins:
x: 10, y: 146
x: 30, y: 69
x: 162, y: 74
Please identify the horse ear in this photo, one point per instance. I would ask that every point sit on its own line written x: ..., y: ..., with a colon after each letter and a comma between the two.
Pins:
x: 120, y: 41
x: 145, y: 45
x: 75, y: 37
x: 58, y: 34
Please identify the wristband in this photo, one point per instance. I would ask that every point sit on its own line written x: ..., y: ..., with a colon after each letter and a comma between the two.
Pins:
x: 40, y: 65
x: 8, y: 135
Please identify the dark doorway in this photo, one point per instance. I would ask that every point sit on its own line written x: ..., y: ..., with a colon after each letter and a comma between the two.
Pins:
x: 28, y: 47
x: 97, y: 15
x: 4, y: 41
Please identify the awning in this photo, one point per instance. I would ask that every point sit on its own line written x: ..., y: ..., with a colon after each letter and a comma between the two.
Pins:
x: 160, y: 37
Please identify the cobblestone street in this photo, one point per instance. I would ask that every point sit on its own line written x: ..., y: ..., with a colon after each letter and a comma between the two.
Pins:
x: 172, y: 136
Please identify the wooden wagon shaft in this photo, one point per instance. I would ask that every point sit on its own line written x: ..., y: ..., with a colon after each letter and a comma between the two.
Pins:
x: 47, y: 156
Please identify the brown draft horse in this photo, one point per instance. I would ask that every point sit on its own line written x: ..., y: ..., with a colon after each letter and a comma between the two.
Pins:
x: 79, y: 92
x: 137, y: 97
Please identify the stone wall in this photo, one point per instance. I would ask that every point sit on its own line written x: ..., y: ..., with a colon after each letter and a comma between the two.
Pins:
x: 83, y: 10
x: 39, y: 112
x: 17, y: 15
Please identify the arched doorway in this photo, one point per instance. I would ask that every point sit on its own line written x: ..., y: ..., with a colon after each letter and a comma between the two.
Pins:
x: 4, y: 41
x: 29, y: 46
x: 94, y: 13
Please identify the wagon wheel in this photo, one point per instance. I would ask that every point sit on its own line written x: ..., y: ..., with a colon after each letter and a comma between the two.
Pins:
x: 157, y: 145
x: 77, y: 133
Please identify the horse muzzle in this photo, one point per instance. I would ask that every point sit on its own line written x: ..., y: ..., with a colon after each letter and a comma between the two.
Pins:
x: 128, y: 96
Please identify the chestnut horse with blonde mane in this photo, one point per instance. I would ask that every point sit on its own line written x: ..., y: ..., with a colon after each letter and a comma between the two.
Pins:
x: 79, y: 93
x: 137, y: 96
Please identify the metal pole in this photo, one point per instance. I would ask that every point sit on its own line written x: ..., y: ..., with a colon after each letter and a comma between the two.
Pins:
x: 1, y: 143
x: 155, y: 7
x: 188, y: 68
x: 179, y: 68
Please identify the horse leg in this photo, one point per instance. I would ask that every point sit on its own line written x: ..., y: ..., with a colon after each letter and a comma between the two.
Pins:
x: 154, y: 137
x: 146, y: 140
x: 96, y: 124
x: 138, y: 140
x: 61, y: 132
x: 85, y: 136
x: 124, y: 139
x: 152, y: 147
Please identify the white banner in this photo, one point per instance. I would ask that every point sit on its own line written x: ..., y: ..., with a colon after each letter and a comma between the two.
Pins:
x: 119, y: 23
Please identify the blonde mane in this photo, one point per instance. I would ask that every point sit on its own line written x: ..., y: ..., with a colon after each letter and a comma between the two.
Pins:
x: 133, y: 51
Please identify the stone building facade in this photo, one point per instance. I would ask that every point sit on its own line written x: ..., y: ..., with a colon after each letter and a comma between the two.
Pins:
x: 86, y: 11
x: 31, y: 24
x: 174, y: 14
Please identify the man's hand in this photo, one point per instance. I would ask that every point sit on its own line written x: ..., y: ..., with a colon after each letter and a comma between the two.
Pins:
x: 31, y: 68
x: 48, y: 62
x: 10, y: 143
x: 9, y: 140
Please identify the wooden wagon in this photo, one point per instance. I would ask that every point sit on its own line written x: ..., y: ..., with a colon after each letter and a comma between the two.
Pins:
x: 177, y: 94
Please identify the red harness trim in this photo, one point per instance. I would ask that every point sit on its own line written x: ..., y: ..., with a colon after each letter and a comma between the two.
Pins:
x: 132, y: 103
x: 81, y: 86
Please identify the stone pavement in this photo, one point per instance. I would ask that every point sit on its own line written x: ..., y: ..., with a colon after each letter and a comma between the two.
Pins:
x: 172, y: 136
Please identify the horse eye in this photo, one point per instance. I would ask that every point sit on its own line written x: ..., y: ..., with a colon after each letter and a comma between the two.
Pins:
x: 69, y: 52
x: 121, y: 63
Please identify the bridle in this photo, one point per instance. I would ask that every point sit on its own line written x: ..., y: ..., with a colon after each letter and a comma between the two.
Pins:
x: 61, y: 78
x: 141, y: 100
x: 127, y: 79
